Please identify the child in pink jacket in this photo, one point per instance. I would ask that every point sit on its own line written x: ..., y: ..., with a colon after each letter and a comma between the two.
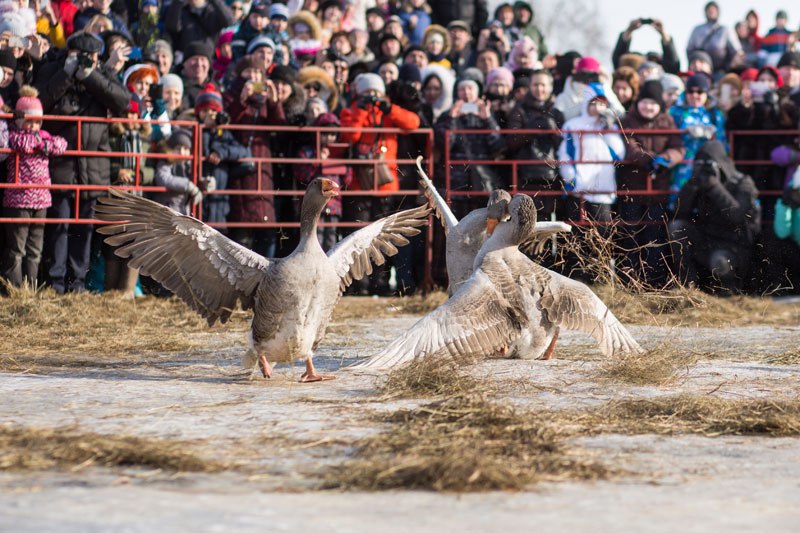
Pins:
x: 33, y: 148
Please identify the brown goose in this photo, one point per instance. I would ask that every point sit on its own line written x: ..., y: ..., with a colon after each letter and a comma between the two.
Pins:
x: 465, y: 237
x: 509, y: 306
x: 292, y: 298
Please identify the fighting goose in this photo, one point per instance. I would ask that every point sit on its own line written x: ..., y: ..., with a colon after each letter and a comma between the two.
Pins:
x: 465, y: 237
x: 292, y: 298
x: 509, y: 306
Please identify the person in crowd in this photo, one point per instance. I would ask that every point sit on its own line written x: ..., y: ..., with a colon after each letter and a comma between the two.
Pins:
x: 197, y: 22
x: 625, y: 84
x: 474, y: 13
x: 649, y: 70
x: 701, y: 120
x: 591, y: 186
x: 223, y: 57
x: 565, y: 67
x: 673, y: 88
x: 504, y: 16
x: 65, y: 11
x: 416, y: 55
x: 524, y: 21
x: 716, y: 224
x: 304, y: 173
x: 175, y: 175
x: 700, y: 61
x: 669, y: 56
x: 172, y: 94
x: 718, y: 41
x: 278, y: 28
x: 494, y: 36
x: 33, y: 147
x: 499, y: 84
x: 375, y: 26
x: 71, y: 84
x: 537, y: 111
x: 469, y: 112
x: 775, y: 42
x: 436, y: 42
x: 255, y: 25
x: 749, y: 39
x: 728, y: 92
x: 149, y: 28
x: 371, y: 109
x: 359, y: 48
x: 338, y: 68
x: 259, y: 104
x: 388, y: 71
x: 221, y: 153
x: 390, y: 49
x: 141, y: 80
x: 524, y: 54
x: 486, y: 60
x: 437, y: 90
x: 305, y: 33
x: 317, y: 83
x: 100, y: 7
x: 116, y: 51
x: 462, y: 52
x: 789, y: 69
x: 394, y: 26
x: 160, y: 54
x: 9, y: 87
x: 416, y: 17
x: 571, y: 100
x: 127, y: 171
x: 648, y: 160
x: 195, y: 71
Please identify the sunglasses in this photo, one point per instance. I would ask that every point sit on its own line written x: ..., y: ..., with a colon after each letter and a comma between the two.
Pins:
x: 313, y: 86
x: 695, y: 91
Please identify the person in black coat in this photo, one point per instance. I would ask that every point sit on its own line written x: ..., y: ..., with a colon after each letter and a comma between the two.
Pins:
x: 196, y: 21
x: 669, y: 58
x: 73, y: 83
x: 474, y: 12
x: 716, y: 223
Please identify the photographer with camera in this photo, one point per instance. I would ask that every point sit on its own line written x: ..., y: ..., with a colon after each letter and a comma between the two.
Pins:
x: 716, y: 223
x: 142, y: 80
x: 72, y: 83
x: 669, y: 54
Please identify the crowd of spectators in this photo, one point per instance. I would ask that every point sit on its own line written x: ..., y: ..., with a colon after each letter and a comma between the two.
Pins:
x: 373, y: 65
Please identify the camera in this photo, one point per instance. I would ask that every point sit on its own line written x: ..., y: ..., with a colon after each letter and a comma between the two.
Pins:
x: 85, y: 60
x: 366, y: 100
x: 155, y: 92
x: 223, y: 118
x: 646, y: 21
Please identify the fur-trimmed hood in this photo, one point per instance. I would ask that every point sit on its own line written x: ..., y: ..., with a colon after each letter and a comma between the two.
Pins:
x: 309, y: 19
x: 441, y: 30
x: 328, y: 92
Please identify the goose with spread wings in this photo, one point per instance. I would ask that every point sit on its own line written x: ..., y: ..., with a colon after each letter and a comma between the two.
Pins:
x: 509, y: 306
x: 292, y: 298
x: 466, y: 236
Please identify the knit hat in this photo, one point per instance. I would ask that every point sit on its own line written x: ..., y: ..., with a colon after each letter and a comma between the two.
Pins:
x: 652, y: 90
x: 283, y: 73
x: 139, y: 71
x: 262, y: 9
x: 474, y: 74
x: 587, y: 64
x: 318, y: 101
x: 85, y: 42
x: 790, y: 59
x: 198, y: 48
x: 700, y: 55
x: 410, y: 73
x: 208, y: 98
x: 134, y: 107
x: 28, y: 103
x: 365, y: 82
x: 172, y: 81
x: 474, y: 83
x: 326, y: 119
x: 749, y: 74
x: 500, y: 74
x: 671, y: 82
x: 7, y: 59
x: 180, y: 137
x: 698, y: 81
x: 258, y: 42
x: 279, y: 10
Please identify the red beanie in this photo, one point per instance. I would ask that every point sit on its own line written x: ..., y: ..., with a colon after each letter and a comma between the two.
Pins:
x: 209, y: 98
x: 587, y: 64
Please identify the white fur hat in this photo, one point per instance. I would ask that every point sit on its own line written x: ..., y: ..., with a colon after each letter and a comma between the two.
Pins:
x: 365, y: 82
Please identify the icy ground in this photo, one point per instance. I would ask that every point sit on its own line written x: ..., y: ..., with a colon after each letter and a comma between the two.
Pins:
x: 289, y: 432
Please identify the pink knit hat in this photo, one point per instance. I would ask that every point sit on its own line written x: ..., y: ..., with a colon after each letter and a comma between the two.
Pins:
x: 500, y: 73
x: 28, y: 103
x: 587, y: 64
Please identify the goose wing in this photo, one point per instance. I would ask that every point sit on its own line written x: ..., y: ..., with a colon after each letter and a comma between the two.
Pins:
x: 440, y: 207
x: 204, y: 268
x: 572, y: 305
x: 485, y: 315
x: 352, y: 257
x: 541, y: 235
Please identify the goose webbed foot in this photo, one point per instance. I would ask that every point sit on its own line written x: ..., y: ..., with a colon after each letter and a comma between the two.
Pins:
x: 548, y: 354
x: 311, y: 375
x: 263, y: 364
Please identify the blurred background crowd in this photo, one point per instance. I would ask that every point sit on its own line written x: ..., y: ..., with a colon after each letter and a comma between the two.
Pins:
x: 646, y: 143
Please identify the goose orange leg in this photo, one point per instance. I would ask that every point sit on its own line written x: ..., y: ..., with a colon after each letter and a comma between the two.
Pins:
x: 548, y: 354
x: 310, y: 375
x: 263, y: 364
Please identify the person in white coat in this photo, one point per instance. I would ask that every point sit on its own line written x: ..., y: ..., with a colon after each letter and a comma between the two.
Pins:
x: 570, y: 100
x: 595, y: 181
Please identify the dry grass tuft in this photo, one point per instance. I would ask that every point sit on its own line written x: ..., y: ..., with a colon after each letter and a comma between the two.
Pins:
x: 42, y: 322
x: 701, y: 415
x: 462, y: 444
x: 359, y: 307
x: 40, y: 449
x: 791, y: 357
x: 428, y: 377
x: 658, y: 366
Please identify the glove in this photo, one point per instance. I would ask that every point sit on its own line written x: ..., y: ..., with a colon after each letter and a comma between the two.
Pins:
x: 208, y: 184
x: 385, y: 106
x: 83, y: 73
x: 700, y: 131
x: 195, y: 194
x: 660, y: 162
x: 71, y: 65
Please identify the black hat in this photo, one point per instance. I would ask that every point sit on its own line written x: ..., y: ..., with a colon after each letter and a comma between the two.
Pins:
x: 414, y: 48
x: 198, y: 48
x: 85, y: 42
x: 523, y: 5
x: 698, y: 81
x: 329, y: 3
x: 410, y: 72
x: 7, y: 59
x: 180, y: 137
x: 110, y: 34
x: 375, y: 11
x: 715, y: 151
x: 261, y: 8
x: 386, y: 36
x: 283, y: 73
x: 653, y: 90
x: 790, y: 59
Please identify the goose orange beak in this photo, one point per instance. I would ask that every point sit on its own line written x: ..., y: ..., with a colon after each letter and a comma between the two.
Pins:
x: 330, y: 189
x: 491, y: 223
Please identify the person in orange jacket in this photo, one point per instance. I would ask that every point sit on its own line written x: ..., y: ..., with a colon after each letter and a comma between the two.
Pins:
x: 371, y: 108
